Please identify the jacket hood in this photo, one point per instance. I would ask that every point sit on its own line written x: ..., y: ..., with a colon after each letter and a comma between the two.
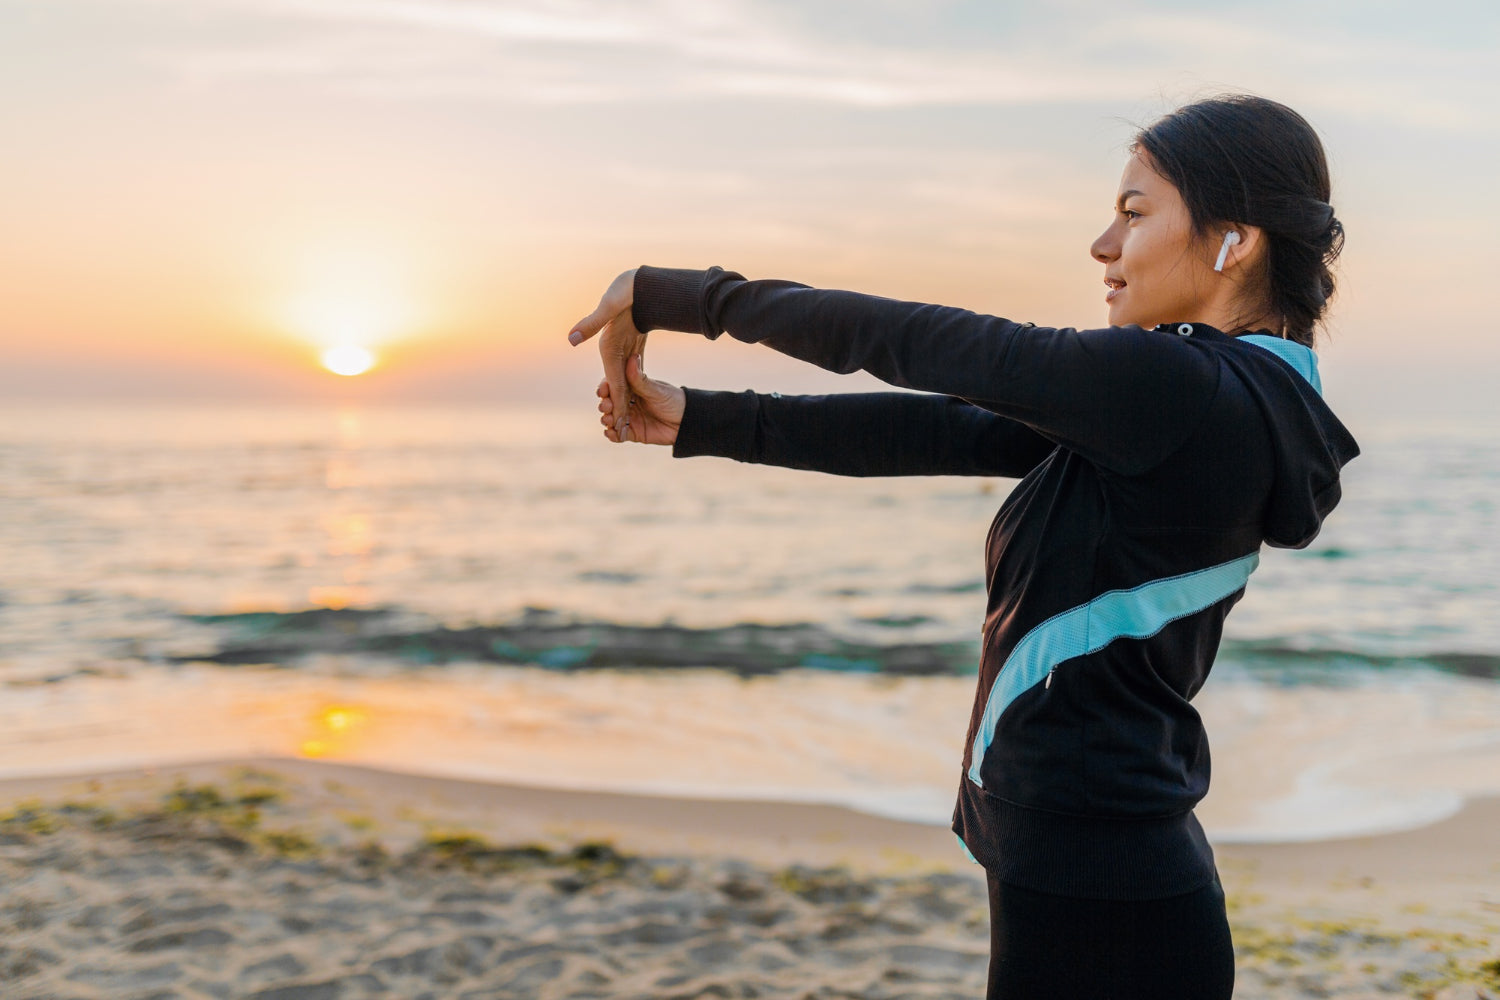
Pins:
x: 1309, y: 442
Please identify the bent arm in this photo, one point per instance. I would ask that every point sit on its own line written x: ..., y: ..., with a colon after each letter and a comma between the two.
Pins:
x: 1123, y: 397
x: 859, y: 434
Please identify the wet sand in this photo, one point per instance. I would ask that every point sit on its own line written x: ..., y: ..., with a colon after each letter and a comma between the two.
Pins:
x: 303, y: 880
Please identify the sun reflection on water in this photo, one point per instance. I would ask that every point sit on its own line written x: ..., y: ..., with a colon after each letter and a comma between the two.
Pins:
x: 333, y: 725
x: 345, y: 518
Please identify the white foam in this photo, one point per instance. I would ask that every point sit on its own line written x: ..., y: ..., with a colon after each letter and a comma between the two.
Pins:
x: 1290, y: 763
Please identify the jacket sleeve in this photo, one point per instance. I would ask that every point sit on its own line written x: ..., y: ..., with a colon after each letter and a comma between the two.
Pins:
x: 859, y: 434
x: 1122, y: 397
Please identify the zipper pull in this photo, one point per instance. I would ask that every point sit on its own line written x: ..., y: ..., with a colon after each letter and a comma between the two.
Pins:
x: 1049, y: 678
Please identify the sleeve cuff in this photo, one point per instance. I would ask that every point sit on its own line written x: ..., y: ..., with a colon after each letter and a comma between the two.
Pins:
x: 668, y: 298
x: 718, y: 423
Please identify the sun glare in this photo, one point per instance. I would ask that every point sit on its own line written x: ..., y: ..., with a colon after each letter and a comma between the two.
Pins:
x: 348, y: 359
x: 349, y: 303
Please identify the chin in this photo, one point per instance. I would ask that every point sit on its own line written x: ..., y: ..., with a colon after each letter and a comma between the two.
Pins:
x: 1122, y: 315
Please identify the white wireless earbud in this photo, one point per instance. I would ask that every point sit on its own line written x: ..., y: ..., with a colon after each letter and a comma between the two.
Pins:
x: 1231, y: 238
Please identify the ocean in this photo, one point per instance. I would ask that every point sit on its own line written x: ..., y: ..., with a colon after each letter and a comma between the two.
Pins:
x: 499, y: 593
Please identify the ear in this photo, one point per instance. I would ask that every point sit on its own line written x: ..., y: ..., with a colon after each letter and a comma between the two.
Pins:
x: 1249, y: 248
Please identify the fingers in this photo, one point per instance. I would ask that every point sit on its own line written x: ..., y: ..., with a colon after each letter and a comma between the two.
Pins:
x: 616, y: 428
x: 606, y: 406
x: 606, y: 310
x: 617, y: 298
x: 589, y: 325
x: 607, y: 413
x: 645, y: 391
x: 613, y: 323
x: 614, y: 374
x: 635, y: 375
x: 641, y: 391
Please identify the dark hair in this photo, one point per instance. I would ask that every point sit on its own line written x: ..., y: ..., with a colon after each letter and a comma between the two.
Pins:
x: 1249, y: 160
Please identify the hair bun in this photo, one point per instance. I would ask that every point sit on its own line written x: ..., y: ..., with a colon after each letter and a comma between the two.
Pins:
x: 1321, y: 213
x: 1330, y: 242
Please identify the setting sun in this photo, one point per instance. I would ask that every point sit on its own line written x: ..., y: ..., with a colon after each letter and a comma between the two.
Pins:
x: 349, y: 300
x: 348, y: 359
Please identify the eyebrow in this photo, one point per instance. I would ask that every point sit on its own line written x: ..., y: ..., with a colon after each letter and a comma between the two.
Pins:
x: 1126, y: 196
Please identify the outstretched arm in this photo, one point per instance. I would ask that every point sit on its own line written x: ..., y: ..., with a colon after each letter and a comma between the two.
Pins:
x: 1122, y: 397
x: 859, y: 434
x: 851, y: 434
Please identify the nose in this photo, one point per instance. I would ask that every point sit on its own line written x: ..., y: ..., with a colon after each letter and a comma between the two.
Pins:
x: 1106, y: 248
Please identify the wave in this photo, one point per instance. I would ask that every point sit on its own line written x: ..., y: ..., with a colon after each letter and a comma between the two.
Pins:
x: 1279, y: 658
x: 545, y: 638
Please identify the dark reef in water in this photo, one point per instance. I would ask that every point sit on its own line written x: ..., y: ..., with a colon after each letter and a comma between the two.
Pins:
x: 1275, y: 660
x: 543, y: 638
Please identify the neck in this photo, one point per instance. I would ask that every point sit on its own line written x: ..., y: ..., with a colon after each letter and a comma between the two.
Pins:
x: 1233, y: 319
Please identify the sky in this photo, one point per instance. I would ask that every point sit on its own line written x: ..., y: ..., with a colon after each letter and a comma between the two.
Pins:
x: 198, y: 196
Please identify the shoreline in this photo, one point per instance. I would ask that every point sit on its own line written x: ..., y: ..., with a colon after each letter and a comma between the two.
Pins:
x: 272, y: 878
x: 1448, y: 860
x: 696, y: 824
x: 1301, y: 764
x: 768, y: 832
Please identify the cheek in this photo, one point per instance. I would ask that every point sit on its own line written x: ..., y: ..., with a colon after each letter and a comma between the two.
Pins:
x: 1142, y: 250
x: 1154, y: 281
x: 1141, y: 268
x: 1157, y: 264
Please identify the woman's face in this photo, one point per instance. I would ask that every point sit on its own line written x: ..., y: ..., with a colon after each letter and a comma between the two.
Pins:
x: 1155, y: 269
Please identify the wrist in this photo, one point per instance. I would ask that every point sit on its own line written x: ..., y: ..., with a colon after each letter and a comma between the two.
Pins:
x: 717, y: 423
x: 667, y: 298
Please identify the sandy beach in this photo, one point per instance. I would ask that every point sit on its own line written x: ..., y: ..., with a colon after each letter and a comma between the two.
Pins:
x: 303, y: 880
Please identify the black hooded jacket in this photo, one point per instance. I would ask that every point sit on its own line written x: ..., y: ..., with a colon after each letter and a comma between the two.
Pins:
x: 1153, y: 464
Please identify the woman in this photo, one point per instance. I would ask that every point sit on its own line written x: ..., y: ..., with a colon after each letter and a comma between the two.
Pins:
x: 1155, y: 456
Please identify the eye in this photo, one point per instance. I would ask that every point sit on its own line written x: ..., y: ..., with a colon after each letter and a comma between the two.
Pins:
x: 1130, y: 213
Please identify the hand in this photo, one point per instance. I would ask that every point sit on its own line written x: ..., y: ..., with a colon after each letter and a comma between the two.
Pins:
x: 620, y: 341
x: 655, y: 408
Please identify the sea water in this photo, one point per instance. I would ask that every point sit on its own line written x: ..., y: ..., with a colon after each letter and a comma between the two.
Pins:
x: 499, y: 593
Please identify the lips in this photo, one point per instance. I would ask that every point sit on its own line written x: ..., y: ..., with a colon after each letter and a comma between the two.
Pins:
x: 1116, y: 286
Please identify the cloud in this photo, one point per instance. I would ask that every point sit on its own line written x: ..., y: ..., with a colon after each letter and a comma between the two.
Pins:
x: 603, y: 52
x: 596, y: 52
x: 1390, y: 75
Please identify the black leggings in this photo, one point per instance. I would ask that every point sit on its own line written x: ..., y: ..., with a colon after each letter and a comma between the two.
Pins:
x: 1044, y: 946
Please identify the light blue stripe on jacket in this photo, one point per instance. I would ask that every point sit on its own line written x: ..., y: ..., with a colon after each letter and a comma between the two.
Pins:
x: 1138, y: 613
